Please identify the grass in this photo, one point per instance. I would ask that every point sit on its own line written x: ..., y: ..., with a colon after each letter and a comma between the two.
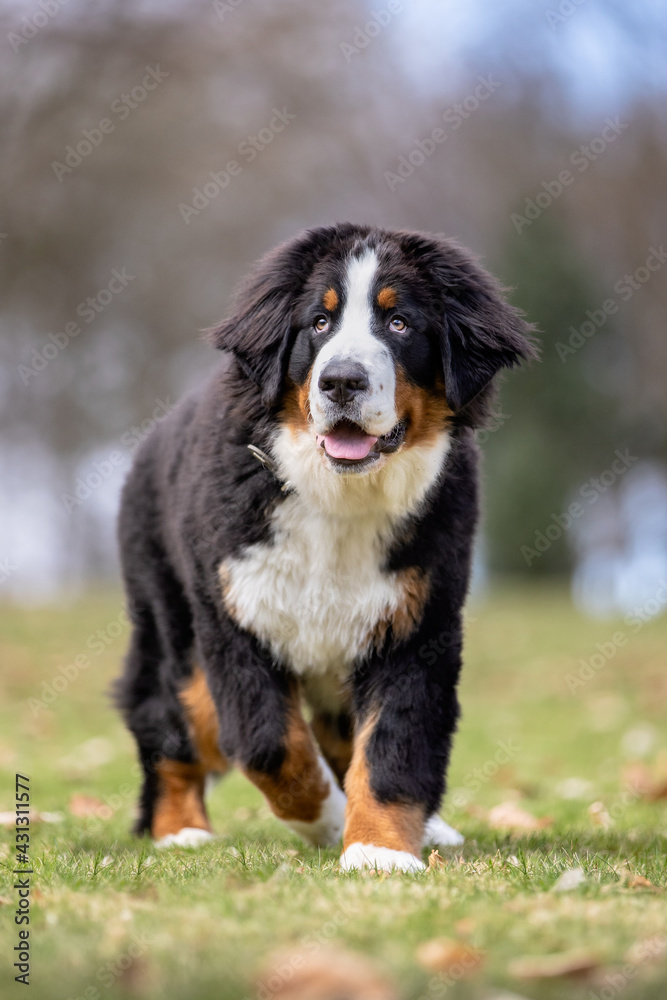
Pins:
x: 204, y: 924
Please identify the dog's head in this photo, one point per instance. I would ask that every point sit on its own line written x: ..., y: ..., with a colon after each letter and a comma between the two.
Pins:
x: 371, y: 342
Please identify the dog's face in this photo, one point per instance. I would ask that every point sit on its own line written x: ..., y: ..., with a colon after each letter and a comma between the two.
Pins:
x: 369, y: 342
x: 365, y: 364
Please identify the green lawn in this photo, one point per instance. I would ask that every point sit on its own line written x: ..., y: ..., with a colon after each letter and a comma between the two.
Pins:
x: 112, y: 918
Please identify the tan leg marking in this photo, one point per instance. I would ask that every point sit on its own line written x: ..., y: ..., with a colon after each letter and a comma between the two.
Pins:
x: 180, y: 800
x: 203, y: 722
x: 395, y: 825
x: 425, y: 410
x: 336, y: 748
x: 299, y: 789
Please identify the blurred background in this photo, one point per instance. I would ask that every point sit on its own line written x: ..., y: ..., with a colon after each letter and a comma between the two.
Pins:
x: 149, y: 152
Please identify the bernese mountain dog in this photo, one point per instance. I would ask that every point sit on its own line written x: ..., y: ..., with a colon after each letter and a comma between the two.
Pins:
x: 296, y: 544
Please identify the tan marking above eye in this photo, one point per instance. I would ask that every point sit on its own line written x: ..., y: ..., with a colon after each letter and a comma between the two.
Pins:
x: 330, y: 300
x: 387, y: 298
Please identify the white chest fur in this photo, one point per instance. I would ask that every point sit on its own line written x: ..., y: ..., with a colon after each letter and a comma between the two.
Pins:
x: 316, y: 591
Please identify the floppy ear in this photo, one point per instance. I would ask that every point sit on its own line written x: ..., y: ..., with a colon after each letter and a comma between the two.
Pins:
x: 480, y: 332
x: 259, y: 331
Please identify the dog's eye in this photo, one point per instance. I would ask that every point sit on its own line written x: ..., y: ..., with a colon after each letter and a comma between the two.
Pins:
x: 321, y: 324
x: 398, y: 324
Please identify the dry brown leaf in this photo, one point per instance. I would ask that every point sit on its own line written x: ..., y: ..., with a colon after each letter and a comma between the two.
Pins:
x: 598, y: 815
x: 637, y: 777
x: 644, y: 782
x: 444, y: 954
x: 639, y: 882
x: 86, y: 805
x: 436, y: 860
x: 329, y: 975
x: 648, y: 951
x: 571, y: 963
x: 510, y: 816
x: 658, y: 790
x: 135, y: 979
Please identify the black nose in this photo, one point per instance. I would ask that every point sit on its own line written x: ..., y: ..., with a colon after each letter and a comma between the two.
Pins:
x: 341, y: 381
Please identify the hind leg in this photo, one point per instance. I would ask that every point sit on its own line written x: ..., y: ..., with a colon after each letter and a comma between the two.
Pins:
x: 179, y: 811
x: 167, y: 724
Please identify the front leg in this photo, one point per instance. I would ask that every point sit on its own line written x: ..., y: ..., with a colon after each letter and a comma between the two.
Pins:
x: 262, y: 730
x: 408, y: 711
x: 378, y: 834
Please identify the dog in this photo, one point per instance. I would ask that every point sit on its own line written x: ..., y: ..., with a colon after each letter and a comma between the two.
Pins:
x: 299, y: 533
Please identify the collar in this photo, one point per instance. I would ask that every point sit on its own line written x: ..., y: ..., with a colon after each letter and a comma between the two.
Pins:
x: 270, y: 464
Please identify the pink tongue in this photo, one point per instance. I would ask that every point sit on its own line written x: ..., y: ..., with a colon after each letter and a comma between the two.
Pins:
x: 347, y: 444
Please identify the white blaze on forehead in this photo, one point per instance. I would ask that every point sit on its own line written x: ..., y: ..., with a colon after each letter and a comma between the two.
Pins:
x: 354, y: 341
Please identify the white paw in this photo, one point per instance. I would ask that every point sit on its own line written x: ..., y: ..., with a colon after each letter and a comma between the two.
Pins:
x: 437, y: 833
x: 382, y: 858
x: 189, y: 836
x: 327, y: 829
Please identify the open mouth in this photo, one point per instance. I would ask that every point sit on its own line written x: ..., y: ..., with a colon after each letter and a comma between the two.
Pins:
x: 348, y: 444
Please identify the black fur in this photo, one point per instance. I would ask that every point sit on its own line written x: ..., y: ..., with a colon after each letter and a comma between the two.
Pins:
x: 196, y: 496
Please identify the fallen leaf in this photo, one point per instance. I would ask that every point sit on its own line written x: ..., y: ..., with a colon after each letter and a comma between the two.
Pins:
x: 639, y: 882
x: 87, y: 805
x: 435, y: 861
x: 510, y: 816
x: 4, y: 901
x: 330, y: 974
x: 444, y: 954
x: 465, y: 927
x: 598, y: 815
x: 135, y: 978
x: 649, y: 950
x: 657, y: 791
x: 572, y: 878
x: 636, y: 777
x: 641, y: 780
x: 572, y: 963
